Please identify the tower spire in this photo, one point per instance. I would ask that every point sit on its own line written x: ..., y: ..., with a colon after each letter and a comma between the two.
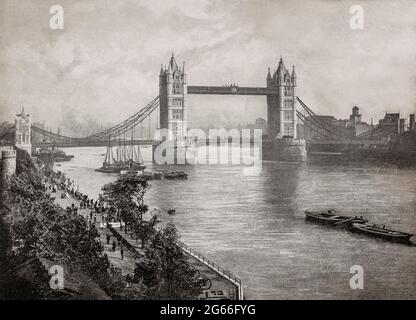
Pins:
x: 293, y: 76
x: 269, y: 76
x: 281, y: 68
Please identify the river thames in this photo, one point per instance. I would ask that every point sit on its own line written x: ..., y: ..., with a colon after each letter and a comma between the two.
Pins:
x: 255, y: 227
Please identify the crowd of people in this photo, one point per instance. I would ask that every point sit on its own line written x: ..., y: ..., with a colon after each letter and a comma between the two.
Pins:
x: 57, y: 181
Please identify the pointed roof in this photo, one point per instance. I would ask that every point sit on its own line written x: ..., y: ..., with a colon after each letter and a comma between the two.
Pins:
x: 22, y: 113
x: 173, y: 65
x: 281, y: 70
x: 269, y: 76
x: 293, y: 73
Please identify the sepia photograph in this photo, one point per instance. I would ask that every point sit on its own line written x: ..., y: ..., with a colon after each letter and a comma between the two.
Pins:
x: 223, y: 151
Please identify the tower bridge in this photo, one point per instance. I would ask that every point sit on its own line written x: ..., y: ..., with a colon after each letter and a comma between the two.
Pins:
x: 171, y: 107
x: 279, y: 91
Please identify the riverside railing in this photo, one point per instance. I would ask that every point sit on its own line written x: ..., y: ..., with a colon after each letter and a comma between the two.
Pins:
x: 212, y: 265
x: 224, y: 273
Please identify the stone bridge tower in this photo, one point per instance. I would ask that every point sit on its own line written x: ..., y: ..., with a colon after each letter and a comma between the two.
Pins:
x: 23, y: 125
x: 173, y: 99
x: 281, y: 108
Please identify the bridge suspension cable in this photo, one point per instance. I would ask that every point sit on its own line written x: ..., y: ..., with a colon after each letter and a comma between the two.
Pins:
x: 6, y: 132
x: 312, y: 126
x: 335, y: 132
x: 114, y: 131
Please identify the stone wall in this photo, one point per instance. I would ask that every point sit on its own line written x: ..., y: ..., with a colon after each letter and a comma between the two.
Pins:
x: 7, y: 164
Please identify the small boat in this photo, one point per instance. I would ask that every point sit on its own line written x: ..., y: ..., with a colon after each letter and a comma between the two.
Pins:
x: 171, y: 212
x: 53, y: 153
x: 176, y: 175
x: 157, y: 175
x: 181, y: 175
x: 330, y: 218
x: 138, y: 173
x: 382, y: 232
x: 109, y: 168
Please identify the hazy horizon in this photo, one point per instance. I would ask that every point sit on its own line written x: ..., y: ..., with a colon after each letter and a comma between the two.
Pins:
x: 105, y: 64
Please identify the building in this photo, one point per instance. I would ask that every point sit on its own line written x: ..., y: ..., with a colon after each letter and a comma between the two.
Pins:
x: 390, y: 123
x: 173, y: 101
x: 22, y: 126
x: 7, y: 165
x: 355, y: 116
x: 412, y: 124
x: 314, y: 132
x: 259, y: 124
x: 355, y: 125
x: 281, y: 108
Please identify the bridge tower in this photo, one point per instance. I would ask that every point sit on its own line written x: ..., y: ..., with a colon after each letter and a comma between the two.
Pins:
x: 173, y: 99
x: 22, y: 124
x: 281, y: 108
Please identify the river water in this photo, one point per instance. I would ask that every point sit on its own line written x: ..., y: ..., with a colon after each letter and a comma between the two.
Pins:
x: 254, y: 226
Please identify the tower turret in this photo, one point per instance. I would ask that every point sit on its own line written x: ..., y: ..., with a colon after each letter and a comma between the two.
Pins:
x: 281, y: 110
x: 23, y: 135
x: 173, y: 99
x: 293, y: 77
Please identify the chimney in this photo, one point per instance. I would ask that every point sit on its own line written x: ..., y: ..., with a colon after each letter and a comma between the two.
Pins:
x: 412, y: 124
x: 401, y: 126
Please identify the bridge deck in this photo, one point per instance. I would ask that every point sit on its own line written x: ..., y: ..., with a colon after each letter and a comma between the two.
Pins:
x: 231, y: 90
x: 347, y: 142
x: 93, y: 143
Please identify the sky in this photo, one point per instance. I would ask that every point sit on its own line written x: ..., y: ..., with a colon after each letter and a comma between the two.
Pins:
x: 105, y: 64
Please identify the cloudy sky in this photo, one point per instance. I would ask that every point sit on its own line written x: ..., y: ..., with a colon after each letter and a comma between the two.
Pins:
x: 105, y: 63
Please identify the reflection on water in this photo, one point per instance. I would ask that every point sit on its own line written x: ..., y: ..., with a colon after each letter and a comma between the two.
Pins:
x: 255, y: 227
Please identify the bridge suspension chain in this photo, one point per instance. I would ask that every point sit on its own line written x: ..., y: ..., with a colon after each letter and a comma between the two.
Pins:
x: 323, y: 124
x: 312, y: 126
x: 150, y: 107
x: 114, y: 131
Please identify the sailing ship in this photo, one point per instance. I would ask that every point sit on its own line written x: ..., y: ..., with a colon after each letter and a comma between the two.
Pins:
x: 126, y: 158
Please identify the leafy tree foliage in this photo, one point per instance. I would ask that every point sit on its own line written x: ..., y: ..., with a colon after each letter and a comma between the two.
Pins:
x: 42, y: 229
x: 164, y: 271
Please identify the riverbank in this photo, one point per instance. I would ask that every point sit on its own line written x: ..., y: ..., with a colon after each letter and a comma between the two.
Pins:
x: 220, y: 283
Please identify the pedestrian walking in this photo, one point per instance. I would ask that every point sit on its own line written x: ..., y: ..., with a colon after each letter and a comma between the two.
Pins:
x: 108, y: 238
x: 114, y: 246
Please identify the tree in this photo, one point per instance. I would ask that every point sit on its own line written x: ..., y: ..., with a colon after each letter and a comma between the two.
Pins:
x: 44, y: 230
x: 166, y: 271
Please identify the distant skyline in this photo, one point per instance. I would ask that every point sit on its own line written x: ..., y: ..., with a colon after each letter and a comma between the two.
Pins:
x: 105, y: 64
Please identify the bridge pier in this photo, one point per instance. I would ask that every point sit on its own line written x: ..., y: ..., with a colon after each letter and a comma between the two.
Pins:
x: 179, y: 152
x: 286, y: 149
